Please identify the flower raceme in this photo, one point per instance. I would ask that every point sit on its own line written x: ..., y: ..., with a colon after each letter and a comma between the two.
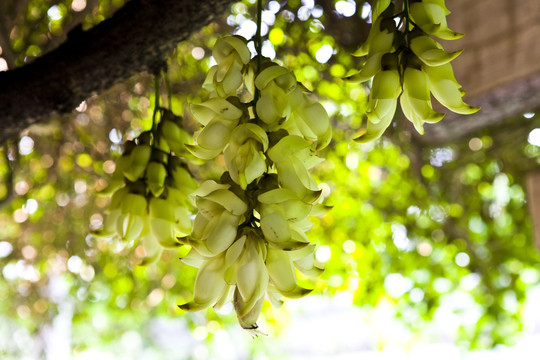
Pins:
x: 405, y: 62
x: 150, y: 188
x: 248, y: 239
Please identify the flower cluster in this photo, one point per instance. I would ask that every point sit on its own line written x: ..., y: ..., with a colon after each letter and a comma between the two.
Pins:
x: 248, y: 238
x: 405, y: 61
x: 150, y: 188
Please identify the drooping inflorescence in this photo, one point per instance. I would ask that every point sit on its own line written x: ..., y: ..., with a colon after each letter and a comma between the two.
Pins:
x: 150, y: 188
x: 248, y: 237
x: 404, y: 61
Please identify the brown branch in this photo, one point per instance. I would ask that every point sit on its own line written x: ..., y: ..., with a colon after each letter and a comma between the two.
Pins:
x: 135, y: 39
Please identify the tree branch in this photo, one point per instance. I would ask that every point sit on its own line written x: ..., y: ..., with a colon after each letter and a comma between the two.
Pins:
x: 135, y: 39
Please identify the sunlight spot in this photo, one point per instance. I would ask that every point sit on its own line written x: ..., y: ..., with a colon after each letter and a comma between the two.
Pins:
x: 9, y: 271
x: 440, y: 156
x: 346, y: 8
x: 41, y: 306
x: 442, y: 285
x: 501, y: 189
x: 352, y: 283
x: 268, y: 50
x: 99, y: 321
x: 20, y: 216
x: 316, y: 26
x: 399, y: 236
x: 115, y: 136
x: 396, y: 285
x: 534, y: 137
x: 335, y: 281
x: 168, y: 281
x: 62, y: 199
x: 375, y: 173
x: 23, y: 311
x: 155, y: 297
x: 510, y: 302
x: 197, y: 53
x: 26, y: 271
x: 304, y: 13
x: 352, y: 160
x: 317, y: 12
x: 274, y: 6
x: 366, y: 9
x: 96, y: 221
x: 413, y: 210
x: 268, y: 17
x: 140, y: 251
x: 3, y: 64
x: 247, y: 29
x: 530, y: 276
x: 324, y: 53
x: 26, y: 145
x: 476, y: 225
x: 276, y: 36
x: 5, y: 249
x: 80, y: 186
x: 30, y: 207
x: 75, y: 264
x: 462, y: 259
x: 87, y: 273
x: 78, y: 5
x: 424, y: 248
x: 21, y: 187
x: 349, y: 246
x: 109, y: 166
x: 475, y: 144
x: 287, y: 16
x: 416, y: 295
x: 330, y: 107
x: 436, y: 213
x: 469, y: 282
x: 54, y: 13
x: 323, y: 253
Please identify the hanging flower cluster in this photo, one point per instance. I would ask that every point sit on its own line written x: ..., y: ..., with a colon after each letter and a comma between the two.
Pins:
x: 150, y: 187
x: 248, y: 237
x: 405, y: 62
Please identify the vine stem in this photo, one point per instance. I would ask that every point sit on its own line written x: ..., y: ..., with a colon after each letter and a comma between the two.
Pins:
x: 406, y: 15
x: 258, y: 37
x: 156, y: 99
x: 8, y: 177
x: 258, y: 49
x: 169, y: 92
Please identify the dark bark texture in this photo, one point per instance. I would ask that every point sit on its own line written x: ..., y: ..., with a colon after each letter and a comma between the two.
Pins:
x: 137, y: 38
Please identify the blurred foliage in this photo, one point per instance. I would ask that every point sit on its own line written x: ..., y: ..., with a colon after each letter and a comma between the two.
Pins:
x: 424, y: 229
